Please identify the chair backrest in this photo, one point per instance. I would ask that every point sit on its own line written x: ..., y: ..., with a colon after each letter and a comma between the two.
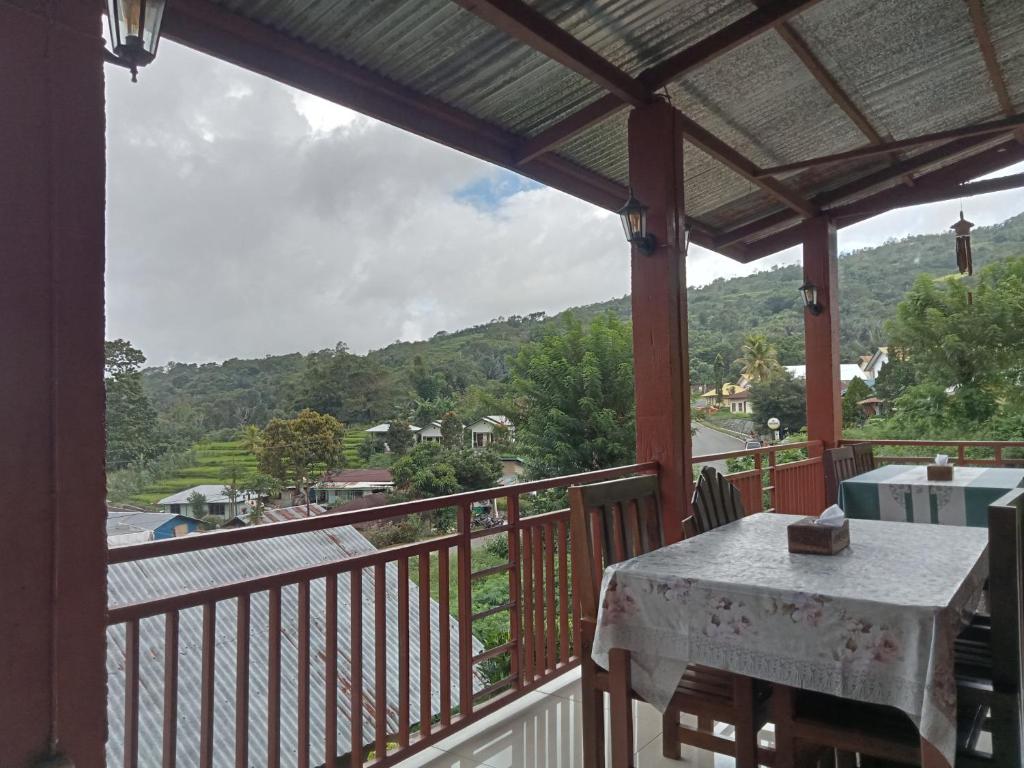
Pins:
x: 610, y: 522
x: 716, y: 501
x: 863, y: 457
x: 1006, y: 590
x: 839, y: 465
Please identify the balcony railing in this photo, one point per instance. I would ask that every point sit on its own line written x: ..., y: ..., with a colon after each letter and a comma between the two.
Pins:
x: 969, y: 453
x: 351, y: 661
x: 791, y: 483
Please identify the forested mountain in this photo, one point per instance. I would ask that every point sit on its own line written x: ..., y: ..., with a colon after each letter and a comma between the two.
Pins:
x: 462, y: 369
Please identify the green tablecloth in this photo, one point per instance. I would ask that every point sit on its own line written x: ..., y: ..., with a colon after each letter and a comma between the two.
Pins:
x: 904, y: 493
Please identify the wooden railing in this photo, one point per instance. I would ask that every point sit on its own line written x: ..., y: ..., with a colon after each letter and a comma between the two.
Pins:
x: 354, y: 661
x: 976, y: 453
x: 794, y: 487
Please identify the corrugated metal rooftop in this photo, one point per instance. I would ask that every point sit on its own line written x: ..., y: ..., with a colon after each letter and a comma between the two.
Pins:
x: 542, y: 87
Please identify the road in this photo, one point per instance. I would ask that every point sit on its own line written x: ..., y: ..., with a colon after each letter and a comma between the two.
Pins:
x: 707, y: 440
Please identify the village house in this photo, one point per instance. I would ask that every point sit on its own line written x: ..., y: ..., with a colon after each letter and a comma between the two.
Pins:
x: 339, y: 485
x: 380, y: 431
x: 491, y: 429
x: 217, y: 502
x: 130, y: 526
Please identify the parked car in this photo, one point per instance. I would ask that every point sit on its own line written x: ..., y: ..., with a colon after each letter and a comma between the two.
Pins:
x: 752, y: 444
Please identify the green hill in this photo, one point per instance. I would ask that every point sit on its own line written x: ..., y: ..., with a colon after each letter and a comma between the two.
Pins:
x: 454, y: 368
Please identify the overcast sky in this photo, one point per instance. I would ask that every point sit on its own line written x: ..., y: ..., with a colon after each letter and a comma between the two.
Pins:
x: 245, y: 218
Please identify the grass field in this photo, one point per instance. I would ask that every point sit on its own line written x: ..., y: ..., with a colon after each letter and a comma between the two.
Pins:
x: 212, y: 465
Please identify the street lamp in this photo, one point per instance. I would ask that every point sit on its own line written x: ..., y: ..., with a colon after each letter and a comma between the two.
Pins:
x: 773, y: 425
x: 134, y: 32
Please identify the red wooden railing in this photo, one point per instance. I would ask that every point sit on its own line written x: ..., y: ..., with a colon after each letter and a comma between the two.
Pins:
x: 976, y: 453
x: 791, y: 487
x: 264, y: 651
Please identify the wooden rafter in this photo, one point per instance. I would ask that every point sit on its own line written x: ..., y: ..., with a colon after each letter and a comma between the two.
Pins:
x: 984, y: 162
x: 660, y: 75
x: 934, y: 193
x: 981, y: 129
x: 521, y: 22
x: 879, y: 178
x: 988, y: 54
x: 231, y: 37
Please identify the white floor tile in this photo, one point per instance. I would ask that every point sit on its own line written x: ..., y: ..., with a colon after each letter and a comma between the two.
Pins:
x: 431, y: 757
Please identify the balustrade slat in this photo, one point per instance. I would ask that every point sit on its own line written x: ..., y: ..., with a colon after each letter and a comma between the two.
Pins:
x: 303, y: 674
x: 331, y: 670
x: 170, y: 731
x: 206, y: 710
x: 444, y: 635
x: 131, y: 694
x: 465, y: 568
x: 242, y: 683
x: 403, y: 652
x: 425, y: 657
x: 274, y: 678
x: 563, y: 590
x: 538, y: 601
x: 380, y: 719
x: 552, y: 619
x: 528, y: 635
x: 356, y: 674
x: 514, y: 581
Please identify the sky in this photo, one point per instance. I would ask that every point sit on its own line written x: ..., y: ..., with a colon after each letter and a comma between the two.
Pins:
x: 245, y: 218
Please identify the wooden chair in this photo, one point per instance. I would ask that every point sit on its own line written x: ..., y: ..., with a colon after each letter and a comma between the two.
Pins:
x: 614, y: 521
x: 716, y: 501
x: 839, y: 465
x: 988, y: 675
x: 863, y: 457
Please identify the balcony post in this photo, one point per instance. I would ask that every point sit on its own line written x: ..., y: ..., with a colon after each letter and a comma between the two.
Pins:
x: 821, y: 333
x: 660, y: 347
x: 53, y: 567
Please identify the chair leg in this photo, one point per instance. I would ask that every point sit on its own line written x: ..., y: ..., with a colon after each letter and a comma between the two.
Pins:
x: 746, y: 731
x: 593, y: 716
x: 670, y: 744
x: 622, y: 709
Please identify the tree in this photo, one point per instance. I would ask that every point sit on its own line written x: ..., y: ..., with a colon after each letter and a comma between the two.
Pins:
x: 260, y: 486
x: 400, y: 437
x: 296, y: 449
x: 196, y: 505
x: 131, y: 422
x: 572, y: 396
x: 895, y: 378
x: 759, y: 360
x: 856, y: 391
x: 782, y: 397
x: 252, y: 438
x: 369, y: 446
x: 451, y: 431
x: 718, y: 371
x: 231, y: 475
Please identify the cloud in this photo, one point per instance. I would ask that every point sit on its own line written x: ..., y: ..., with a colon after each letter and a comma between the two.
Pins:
x: 246, y: 218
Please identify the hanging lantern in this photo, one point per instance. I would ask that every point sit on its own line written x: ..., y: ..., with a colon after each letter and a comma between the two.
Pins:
x: 134, y: 31
x: 963, y: 245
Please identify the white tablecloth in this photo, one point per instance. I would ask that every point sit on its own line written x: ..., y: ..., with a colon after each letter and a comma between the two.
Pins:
x: 875, y: 623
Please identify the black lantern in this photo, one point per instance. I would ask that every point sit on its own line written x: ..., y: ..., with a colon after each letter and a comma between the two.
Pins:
x: 134, y: 31
x: 634, y: 223
x: 810, y: 293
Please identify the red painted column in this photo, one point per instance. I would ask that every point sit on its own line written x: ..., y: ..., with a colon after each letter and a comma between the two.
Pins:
x: 52, y: 564
x: 660, y: 349
x: 821, y: 334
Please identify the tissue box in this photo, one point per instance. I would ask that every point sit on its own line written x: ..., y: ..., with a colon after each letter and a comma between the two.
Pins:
x: 808, y: 538
x: 940, y: 471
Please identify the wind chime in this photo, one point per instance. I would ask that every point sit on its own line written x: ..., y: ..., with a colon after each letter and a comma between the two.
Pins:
x: 964, y: 261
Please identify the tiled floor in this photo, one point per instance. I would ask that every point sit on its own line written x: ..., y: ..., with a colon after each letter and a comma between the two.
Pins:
x: 543, y: 730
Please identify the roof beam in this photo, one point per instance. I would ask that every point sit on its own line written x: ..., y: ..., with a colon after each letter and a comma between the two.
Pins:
x: 660, y: 75
x: 933, y: 193
x: 988, y: 161
x: 863, y: 184
x: 521, y: 22
x: 744, y: 167
x: 980, y: 129
x: 988, y: 53
x: 231, y: 37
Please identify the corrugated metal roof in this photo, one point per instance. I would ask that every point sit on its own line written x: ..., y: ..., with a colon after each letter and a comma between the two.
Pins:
x: 910, y: 67
x: 188, y: 572
x: 149, y: 521
x: 215, y: 494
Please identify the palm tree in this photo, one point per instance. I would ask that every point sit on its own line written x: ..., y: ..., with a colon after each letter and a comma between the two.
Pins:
x: 252, y: 439
x: 759, y: 358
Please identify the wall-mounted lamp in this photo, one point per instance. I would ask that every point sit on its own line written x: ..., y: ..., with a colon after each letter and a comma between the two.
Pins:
x: 134, y: 32
x: 810, y: 293
x: 634, y: 223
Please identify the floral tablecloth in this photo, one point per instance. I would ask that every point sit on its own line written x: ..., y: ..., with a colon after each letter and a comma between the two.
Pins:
x: 874, y: 623
x: 904, y: 493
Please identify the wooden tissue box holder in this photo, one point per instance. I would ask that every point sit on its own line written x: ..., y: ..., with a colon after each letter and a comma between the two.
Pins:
x: 940, y: 471
x: 808, y: 538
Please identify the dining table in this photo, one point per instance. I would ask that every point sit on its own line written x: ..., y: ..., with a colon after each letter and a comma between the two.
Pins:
x: 904, y: 493
x: 875, y: 622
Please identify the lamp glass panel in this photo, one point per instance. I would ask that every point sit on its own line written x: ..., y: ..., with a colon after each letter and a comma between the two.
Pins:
x: 151, y: 29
